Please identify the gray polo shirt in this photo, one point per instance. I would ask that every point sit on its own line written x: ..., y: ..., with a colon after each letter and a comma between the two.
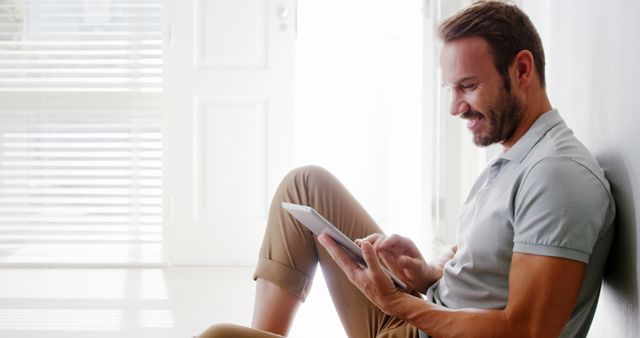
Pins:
x: 544, y: 196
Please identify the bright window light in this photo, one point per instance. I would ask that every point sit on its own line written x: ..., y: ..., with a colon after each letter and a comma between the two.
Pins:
x: 358, y: 102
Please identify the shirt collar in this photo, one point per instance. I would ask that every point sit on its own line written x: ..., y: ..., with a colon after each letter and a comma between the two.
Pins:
x: 540, y: 127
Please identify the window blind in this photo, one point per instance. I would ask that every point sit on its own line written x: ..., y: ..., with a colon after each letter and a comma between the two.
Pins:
x: 80, y: 131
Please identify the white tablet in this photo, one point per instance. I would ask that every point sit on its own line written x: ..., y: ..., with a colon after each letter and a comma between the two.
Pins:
x: 318, y: 224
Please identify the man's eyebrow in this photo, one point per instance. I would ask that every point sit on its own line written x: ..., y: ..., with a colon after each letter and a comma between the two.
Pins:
x: 459, y: 81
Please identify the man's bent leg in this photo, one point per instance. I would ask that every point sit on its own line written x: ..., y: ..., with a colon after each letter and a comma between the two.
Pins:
x: 234, y: 331
x: 269, y: 297
x: 290, y: 253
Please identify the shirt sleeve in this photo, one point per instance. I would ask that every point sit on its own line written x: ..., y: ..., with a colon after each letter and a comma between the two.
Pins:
x: 560, y: 210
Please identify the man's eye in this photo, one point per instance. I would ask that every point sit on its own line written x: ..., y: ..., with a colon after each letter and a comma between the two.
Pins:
x: 468, y: 86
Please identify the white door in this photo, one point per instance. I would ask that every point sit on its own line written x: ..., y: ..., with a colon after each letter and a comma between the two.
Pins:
x: 229, y: 126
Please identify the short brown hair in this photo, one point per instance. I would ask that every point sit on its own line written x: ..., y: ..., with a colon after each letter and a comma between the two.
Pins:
x: 506, y: 28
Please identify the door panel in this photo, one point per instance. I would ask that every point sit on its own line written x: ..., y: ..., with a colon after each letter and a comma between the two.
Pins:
x: 231, y: 33
x: 230, y: 125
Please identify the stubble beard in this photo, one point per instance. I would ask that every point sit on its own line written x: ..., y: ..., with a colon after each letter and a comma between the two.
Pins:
x: 502, y: 120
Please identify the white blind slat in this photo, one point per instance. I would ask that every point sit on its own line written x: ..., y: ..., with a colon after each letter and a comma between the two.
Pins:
x: 80, y: 37
x: 80, y: 134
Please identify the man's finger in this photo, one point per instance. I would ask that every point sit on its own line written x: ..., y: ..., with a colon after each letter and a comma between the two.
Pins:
x: 372, y: 238
x: 407, y: 262
x: 388, y: 259
x: 339, y: 255
x: 392, y: 243
x: 375, y: 272
x: 371, y: 258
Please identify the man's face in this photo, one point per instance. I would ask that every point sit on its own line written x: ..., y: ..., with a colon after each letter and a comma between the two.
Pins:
x: 478, y: 91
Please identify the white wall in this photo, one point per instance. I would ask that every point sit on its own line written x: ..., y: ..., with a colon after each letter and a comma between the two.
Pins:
x: 592, y: 51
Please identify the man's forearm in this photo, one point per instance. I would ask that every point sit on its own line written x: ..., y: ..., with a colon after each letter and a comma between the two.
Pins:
x: 439, y: 321
x: 543, y: 313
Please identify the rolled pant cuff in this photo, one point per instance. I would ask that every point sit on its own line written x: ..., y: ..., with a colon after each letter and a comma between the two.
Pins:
x: 283, y: 276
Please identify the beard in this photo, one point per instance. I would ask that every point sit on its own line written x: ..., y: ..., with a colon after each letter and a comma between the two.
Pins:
x: 502, y: 120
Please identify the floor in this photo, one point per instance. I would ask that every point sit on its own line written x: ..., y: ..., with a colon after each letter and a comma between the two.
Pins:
x: 128, y: 303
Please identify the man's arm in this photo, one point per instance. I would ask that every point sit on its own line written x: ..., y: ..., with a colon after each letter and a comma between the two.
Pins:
x: 542, y: 294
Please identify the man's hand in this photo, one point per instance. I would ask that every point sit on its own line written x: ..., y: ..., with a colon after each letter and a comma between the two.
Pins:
x: 403, y: 258
x: 372, y: 281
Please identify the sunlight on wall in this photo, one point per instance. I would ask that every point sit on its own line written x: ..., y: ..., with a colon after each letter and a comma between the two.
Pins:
x: 358, y: 102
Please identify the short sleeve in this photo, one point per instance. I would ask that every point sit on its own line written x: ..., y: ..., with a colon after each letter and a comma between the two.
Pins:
x: 559, y: 210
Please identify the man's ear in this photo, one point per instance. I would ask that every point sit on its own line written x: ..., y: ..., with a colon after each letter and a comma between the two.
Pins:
x: 523, y: 67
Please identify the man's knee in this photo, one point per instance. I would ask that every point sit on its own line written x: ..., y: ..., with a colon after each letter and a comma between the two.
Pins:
x: 234, y: 331
x: 309, y: 175
x: 308, y: 171
x: 220, y: 331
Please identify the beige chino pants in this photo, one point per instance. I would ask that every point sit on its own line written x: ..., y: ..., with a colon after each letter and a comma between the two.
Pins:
x: 290, y: 254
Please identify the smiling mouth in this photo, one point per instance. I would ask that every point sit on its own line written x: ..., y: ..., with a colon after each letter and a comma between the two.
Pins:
x: 474, y: 119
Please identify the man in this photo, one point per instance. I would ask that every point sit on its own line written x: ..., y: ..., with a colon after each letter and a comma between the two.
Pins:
x: 533, y: 235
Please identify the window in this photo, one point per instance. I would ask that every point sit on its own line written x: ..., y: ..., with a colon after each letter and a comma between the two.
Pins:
x: 81, y: 86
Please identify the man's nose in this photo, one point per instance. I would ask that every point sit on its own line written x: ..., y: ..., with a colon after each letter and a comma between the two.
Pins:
x: 458, y: 106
